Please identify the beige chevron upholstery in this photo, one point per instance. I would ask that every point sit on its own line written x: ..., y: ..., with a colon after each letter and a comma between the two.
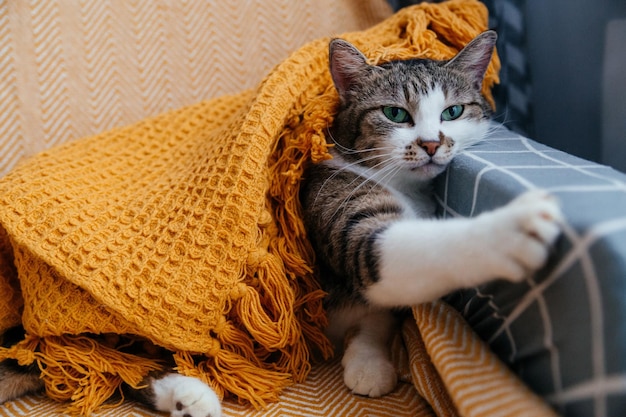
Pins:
x: 448, y: 372
x: 71, y: 69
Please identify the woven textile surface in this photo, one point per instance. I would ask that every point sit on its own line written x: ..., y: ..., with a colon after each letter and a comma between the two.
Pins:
x: 183, y: 230
x: 463, y: 379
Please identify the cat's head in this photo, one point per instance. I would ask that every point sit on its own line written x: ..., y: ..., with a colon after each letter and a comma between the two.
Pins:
x: 409, y: 118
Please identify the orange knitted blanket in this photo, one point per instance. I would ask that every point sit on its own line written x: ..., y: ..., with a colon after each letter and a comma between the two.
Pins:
x: 181, y: 235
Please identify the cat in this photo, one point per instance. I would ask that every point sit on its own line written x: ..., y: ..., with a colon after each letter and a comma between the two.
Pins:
x: 369, y: 213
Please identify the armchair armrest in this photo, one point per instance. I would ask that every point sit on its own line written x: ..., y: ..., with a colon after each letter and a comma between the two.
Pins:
x: 563, y: 330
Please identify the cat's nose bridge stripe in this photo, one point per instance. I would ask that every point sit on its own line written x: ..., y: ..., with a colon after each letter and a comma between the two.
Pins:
x: 420, y: 140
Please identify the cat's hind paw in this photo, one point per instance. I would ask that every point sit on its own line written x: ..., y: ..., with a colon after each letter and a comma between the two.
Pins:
x: 372, y: 376
x: 184, y: 396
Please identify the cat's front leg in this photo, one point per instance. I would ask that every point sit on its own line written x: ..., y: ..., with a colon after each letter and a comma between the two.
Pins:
x: 367, y: 367
x: 422, y: 260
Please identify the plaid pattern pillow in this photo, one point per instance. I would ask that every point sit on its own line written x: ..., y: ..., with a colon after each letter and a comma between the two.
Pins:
x: 563, y: 330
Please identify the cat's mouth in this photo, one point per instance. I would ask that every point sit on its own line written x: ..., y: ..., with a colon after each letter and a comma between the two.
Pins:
x: 429, y: 168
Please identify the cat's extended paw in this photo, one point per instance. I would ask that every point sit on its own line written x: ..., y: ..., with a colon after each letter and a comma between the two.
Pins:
x: 373, y: 376
x: 524, y: 232
x: 184, y: 396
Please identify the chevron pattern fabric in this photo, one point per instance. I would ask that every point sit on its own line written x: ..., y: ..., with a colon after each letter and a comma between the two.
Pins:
x: 322, y: 395
x: 73, y: 69
x: 453, y: 374
x: 475, y: 380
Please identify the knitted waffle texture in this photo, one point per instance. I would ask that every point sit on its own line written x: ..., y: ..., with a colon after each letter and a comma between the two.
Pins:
x: 182, y: 233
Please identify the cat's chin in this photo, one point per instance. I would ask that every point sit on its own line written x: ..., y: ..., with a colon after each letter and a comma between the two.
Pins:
x: 427, y: 171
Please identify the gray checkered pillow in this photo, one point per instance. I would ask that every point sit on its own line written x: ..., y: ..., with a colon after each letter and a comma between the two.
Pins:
x: 564, y: 330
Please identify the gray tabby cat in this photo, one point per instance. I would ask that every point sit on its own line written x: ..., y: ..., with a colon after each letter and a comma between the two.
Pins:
x: 369, y: 211
x: 369, y: 216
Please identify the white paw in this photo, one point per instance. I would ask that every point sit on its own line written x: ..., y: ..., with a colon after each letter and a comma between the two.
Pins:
x: 373, y: 376
x: 184, y: 396
x: 523, y: 233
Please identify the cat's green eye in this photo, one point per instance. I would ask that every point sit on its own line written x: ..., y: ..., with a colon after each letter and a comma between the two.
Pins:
x: 452, y: 113
x: 396, y: 114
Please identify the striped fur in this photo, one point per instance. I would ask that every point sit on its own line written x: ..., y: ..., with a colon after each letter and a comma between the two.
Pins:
x: 368, y: 211
x: 381, y: 171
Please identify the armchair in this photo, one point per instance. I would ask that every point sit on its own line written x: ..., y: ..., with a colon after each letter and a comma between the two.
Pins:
x: 73, y: 70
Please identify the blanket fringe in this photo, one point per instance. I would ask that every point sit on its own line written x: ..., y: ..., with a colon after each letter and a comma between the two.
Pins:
x: 80, y: 369
x: 267, y: 309
x: 225, y: 371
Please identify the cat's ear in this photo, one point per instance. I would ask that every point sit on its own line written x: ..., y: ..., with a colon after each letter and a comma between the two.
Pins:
x: 347, y: 64
x: 475, y: 57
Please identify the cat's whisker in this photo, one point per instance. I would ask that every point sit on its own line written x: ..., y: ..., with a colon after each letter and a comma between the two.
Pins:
x: 503, y: 118
x: 494, y: 132
x: 357, y: 151
x: 366, y: 178
x: 338, y: 172
x: 349, y: 167
x: 350, y: 151
x: 392, y: 170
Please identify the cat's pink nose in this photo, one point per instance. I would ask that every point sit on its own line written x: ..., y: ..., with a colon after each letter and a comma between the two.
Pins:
x: 430, y: 146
